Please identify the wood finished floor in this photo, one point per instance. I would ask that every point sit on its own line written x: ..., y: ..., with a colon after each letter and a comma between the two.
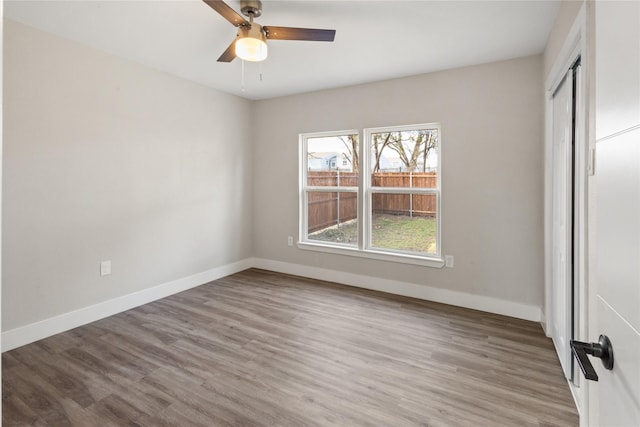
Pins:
x: 264, y: 349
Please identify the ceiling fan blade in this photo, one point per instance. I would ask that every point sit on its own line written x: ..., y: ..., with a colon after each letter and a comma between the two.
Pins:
x: 308, y: 34
x: 229, y: 54
x: 227, y: 13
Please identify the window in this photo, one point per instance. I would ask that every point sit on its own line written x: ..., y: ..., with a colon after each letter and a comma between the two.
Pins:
x: 330, y: 195
x: 386, y: 206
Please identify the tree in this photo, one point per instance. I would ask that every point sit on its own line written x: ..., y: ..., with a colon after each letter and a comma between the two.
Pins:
x: 412, y: 147
x: 380, y: 142
x: 351, y: 142
x: 429, y: 145
x: 409, y: 145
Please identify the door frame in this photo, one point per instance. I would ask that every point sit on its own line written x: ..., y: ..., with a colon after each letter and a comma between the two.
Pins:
x: 574, y: 47
x: 563, y: 233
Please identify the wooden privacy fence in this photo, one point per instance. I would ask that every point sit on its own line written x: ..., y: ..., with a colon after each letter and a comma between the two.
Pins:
x: 325, y: 209
x: 404, y: 204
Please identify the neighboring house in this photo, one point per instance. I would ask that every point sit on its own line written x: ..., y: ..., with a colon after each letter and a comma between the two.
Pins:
x: 391, y: 164
x: 320, y: 161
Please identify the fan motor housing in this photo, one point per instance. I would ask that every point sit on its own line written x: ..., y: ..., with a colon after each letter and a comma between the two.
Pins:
x: 251, y: 8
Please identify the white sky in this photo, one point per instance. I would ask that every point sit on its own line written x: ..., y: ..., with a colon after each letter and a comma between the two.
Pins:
x: 329, y: 144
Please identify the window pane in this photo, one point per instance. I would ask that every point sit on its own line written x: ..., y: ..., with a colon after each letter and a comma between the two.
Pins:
x: 404, y: 222
x: 332, y: 217
x: 404, y: 158
x: 333, y: 161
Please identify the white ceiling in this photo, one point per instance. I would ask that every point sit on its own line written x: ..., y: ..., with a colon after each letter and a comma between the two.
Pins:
x: 375, y: 40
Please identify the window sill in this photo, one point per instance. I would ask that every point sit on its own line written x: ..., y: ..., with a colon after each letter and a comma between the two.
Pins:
x: 373, y: 254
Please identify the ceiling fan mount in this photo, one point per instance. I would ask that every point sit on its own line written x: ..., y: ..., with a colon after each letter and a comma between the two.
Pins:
x: 251, y: 8
x: 251, y: 40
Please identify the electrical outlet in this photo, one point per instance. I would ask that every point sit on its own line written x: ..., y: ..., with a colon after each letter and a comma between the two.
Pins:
x: 448, y: 261
x: 290, y: 240
x: 105, y: 268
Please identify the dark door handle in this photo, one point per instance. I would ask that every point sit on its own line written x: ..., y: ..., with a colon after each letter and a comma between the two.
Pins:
x: 601, y: 349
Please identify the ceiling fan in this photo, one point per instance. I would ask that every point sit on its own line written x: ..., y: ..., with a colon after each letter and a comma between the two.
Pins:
x: 251, y: 41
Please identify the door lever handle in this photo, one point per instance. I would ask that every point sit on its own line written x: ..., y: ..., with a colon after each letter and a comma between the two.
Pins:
x: 601, y: 349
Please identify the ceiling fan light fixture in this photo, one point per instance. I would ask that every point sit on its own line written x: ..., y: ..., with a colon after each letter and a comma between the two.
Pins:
x: 251, y: 44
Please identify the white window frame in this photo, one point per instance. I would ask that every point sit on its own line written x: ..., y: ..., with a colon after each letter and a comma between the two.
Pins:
x: 364, y: 192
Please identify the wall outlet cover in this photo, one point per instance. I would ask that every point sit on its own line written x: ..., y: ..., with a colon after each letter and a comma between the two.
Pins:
x: 448, y: 261
x: 105, y: 268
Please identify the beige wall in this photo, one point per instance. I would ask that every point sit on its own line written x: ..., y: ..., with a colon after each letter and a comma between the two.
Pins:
x: 492, y: 156
x: 108, y: 160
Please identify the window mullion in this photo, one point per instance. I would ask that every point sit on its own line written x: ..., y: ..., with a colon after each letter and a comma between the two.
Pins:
x: 363, y: 205
x: 302, y: 193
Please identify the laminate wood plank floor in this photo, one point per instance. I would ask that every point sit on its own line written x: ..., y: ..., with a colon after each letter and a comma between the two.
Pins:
x: 265, y: 349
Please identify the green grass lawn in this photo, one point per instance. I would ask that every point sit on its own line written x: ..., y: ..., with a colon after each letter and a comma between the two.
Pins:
x: 399, y: 232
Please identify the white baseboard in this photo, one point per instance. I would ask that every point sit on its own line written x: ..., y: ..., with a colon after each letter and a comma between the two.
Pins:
x: 543, y: 323
x: 445, y: 296
x: 45, y: 328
